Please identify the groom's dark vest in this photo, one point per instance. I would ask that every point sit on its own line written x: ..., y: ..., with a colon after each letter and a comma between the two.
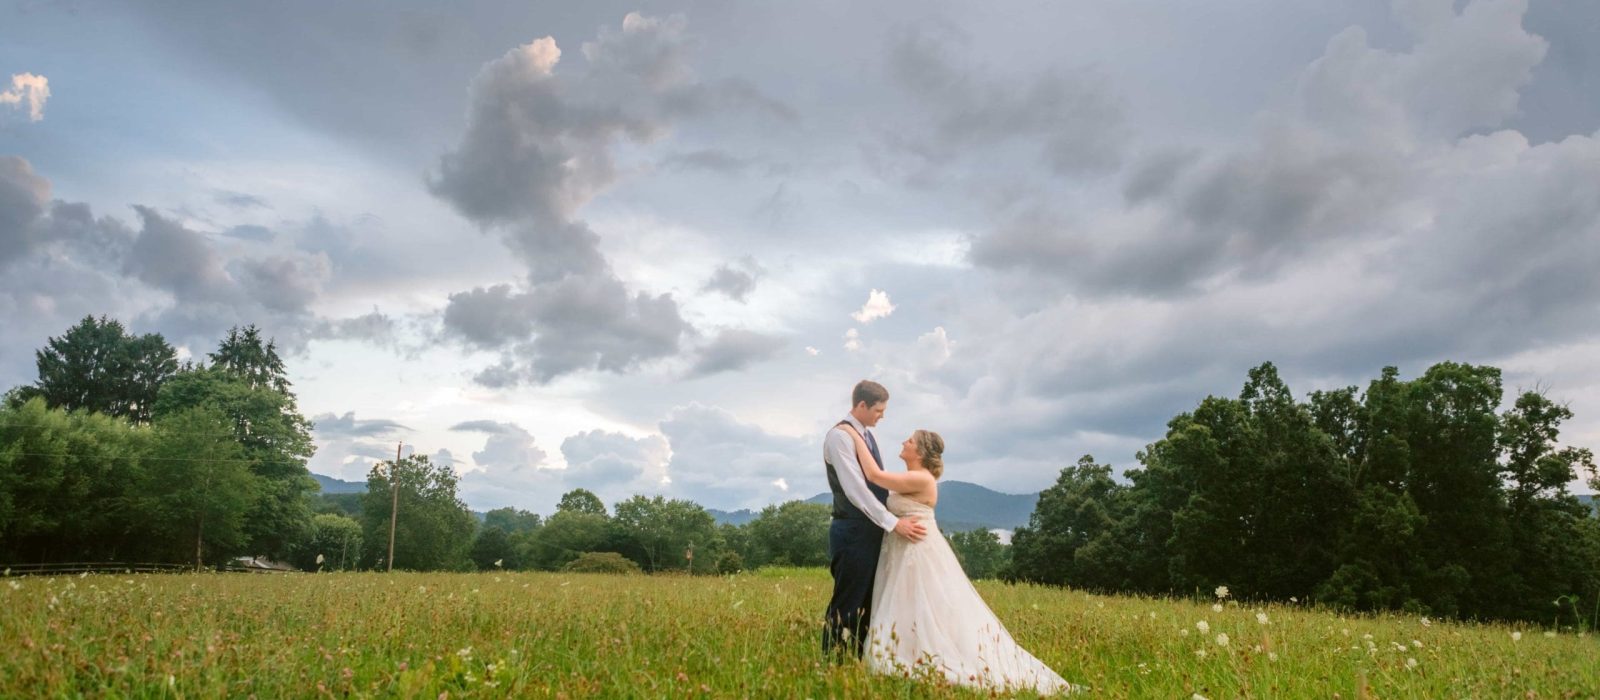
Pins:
x: 842, y: 507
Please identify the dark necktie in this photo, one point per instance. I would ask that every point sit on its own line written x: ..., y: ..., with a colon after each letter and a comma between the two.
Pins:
x: 872, y: 445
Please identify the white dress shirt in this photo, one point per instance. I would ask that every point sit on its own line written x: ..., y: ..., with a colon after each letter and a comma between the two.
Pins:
x: 839, y: 449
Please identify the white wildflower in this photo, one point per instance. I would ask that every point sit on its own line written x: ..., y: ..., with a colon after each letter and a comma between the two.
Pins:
x: 1201, y: 653
x: 1549, y: 633
x: 1216, y: 607
x: 1411, y: 663
x: 1426, y: 622
x: 1261, y: 617
x: 1416, y: 643
x: 1222, y: 591
x: 1516, y: 636
x: 1183, y: 632
x: 1272, y: 656
x: 1222, y: 639
x: 1203, y: 626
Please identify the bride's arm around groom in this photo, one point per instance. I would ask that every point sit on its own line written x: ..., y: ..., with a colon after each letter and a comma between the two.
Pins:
x: 899, y: 482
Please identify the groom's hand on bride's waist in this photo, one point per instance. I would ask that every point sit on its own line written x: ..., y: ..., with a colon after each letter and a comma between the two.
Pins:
x: 909, y: 528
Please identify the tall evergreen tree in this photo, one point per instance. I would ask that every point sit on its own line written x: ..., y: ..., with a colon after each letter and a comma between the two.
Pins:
x: 244, y: 355
x: 248, y: 384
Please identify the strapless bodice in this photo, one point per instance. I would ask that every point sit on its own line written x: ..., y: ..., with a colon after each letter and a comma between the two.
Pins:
x: 902, y: 506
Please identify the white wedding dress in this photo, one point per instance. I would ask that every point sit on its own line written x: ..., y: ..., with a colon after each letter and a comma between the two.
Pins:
x: 926, y: 614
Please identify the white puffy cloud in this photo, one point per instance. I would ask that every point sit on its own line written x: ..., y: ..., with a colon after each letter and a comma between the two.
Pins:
x: 877, y: 306
x: 28, y: 92
x: 852, y: 340
x: 509, y: 447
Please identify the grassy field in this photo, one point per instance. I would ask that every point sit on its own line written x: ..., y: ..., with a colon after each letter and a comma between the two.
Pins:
x: 753, y: 635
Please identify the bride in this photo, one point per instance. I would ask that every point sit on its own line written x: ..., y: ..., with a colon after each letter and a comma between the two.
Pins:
x: 925, y: 613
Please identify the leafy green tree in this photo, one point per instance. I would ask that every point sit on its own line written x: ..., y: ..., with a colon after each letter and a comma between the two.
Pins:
x: 601, y: 563
x: 492, y: 549
x: 564, y: 536
x: 198, y: 487
x: 68, y: 484
x: 1072, y: 521
x: 272, y: 434
x: 434, y: 529
x: 665, y: 531
x: 581, y: 501
x: 1546, y: 522
x: 338, y: 539
x: 736, y: 538
x: 729, y: 562
x: 346, y: 504
x: 511, y: 520
x: 98, y: 366
x: 794, y: 533
x: 980, y: 552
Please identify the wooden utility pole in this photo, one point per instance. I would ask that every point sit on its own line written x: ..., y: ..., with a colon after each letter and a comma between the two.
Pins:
x: 394, y: 506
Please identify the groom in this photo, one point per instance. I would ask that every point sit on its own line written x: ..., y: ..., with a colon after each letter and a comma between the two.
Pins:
x: 859, y: 521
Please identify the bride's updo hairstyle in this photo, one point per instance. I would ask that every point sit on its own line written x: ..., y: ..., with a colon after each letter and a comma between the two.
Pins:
x: 930, y: 448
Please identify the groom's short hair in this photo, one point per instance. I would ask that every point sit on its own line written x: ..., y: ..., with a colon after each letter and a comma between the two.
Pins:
x: 869, y: 391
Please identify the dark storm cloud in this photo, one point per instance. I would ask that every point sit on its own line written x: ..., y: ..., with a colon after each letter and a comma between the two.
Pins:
x: 170, y: 257
x: 483, y: 426
x: 722, y: 162
x: 576, y: 323
x: 1340, y: 163
x: 329, y: 426
x: 538, y: 146
x: 1070, y: 119
x: 240, y: 200
x: 489, y: 318
x: 375, y: 327
x: 733, y: 350
x: 23, y: 198
x: 737, y: 280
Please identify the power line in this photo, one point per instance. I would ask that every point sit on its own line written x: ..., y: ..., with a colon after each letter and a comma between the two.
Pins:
x: 142, y: 458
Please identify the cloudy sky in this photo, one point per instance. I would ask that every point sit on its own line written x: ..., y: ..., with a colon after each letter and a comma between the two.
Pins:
x: 648, y: 247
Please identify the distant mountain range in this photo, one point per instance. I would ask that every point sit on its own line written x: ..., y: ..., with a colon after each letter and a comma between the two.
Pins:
x: 962, y: 506
x: 332, y: 485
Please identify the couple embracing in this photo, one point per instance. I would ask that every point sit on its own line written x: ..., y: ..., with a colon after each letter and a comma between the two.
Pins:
x: 900, y: 597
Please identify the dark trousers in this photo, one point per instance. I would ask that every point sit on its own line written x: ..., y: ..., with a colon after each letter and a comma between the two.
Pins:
x: 853, y: 560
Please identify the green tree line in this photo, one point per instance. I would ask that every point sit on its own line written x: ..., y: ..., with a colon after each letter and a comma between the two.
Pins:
x: 119, y: 452
x: 1416, y: 495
